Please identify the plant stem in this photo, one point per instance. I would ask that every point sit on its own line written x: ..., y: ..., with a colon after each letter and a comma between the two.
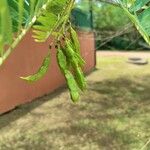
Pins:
x: 22, y: 34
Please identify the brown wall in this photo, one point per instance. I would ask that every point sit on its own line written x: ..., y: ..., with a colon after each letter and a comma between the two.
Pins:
x: 25, y: 60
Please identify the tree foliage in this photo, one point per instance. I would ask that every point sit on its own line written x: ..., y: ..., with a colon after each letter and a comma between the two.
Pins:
x: 51, y: 18
x: 139, y: 13
x: 47, y: 18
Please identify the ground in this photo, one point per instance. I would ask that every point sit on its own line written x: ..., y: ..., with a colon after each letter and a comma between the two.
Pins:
x: 113, y: 114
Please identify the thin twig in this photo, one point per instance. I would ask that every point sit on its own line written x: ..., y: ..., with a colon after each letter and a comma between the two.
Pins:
x: 145, y: 145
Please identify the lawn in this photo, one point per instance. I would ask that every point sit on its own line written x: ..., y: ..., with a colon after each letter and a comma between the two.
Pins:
x: 113, y: 114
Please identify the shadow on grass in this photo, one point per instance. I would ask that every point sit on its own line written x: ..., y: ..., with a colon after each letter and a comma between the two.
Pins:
x: 112, y: 115
x: 22, y: 110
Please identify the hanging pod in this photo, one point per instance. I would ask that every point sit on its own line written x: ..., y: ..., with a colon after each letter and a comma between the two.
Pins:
x: 80, y: 79
x: 74, y: 39
x: 41, y: 72
x: 72, y: 85
x: 71, y: 52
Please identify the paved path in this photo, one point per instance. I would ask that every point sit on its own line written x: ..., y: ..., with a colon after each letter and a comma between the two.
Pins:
x: 142, y: 54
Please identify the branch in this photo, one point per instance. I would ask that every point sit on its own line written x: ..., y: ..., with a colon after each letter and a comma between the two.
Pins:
x: 22, y: 34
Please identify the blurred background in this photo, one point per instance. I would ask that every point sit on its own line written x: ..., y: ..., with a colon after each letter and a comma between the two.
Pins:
x: 113, y: 30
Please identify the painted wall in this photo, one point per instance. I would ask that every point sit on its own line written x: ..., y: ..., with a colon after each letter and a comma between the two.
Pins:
x: 25, y: 60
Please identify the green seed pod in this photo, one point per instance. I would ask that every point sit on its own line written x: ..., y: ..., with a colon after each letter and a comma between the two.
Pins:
x: 72, y: 85
x: 74, y: 63
x: 68, y: 61
x: 76, y: 81
x: 74, y: 39
x: 69, y: 50
x: 80, y: 79
x: 73, y: 54
x: 41, y: 72
x: 69, y: 53
x: 81, y: 61
x: 61, y: 60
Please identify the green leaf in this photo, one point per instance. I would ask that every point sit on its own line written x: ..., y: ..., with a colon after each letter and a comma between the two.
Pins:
x: 138, y: 4
x: 39, y: 4
x: 21, y: 10
x: 40, y: 28
x: 53, y: 18
x: 41, y: 72
x: 56, y: 6
x: 144, y: 19
x: 32, y: 7
x: 135, y: 20
x: 1, y: 47
x: 5, y: 25
x: 45, y: 24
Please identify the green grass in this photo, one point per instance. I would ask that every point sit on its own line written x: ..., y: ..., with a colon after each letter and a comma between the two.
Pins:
x: 113, y: 114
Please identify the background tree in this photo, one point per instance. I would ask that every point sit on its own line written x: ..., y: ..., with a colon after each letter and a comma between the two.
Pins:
x: 113, y: 28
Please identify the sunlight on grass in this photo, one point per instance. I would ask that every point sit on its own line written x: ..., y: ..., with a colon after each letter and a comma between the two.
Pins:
x: 113, y: 114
